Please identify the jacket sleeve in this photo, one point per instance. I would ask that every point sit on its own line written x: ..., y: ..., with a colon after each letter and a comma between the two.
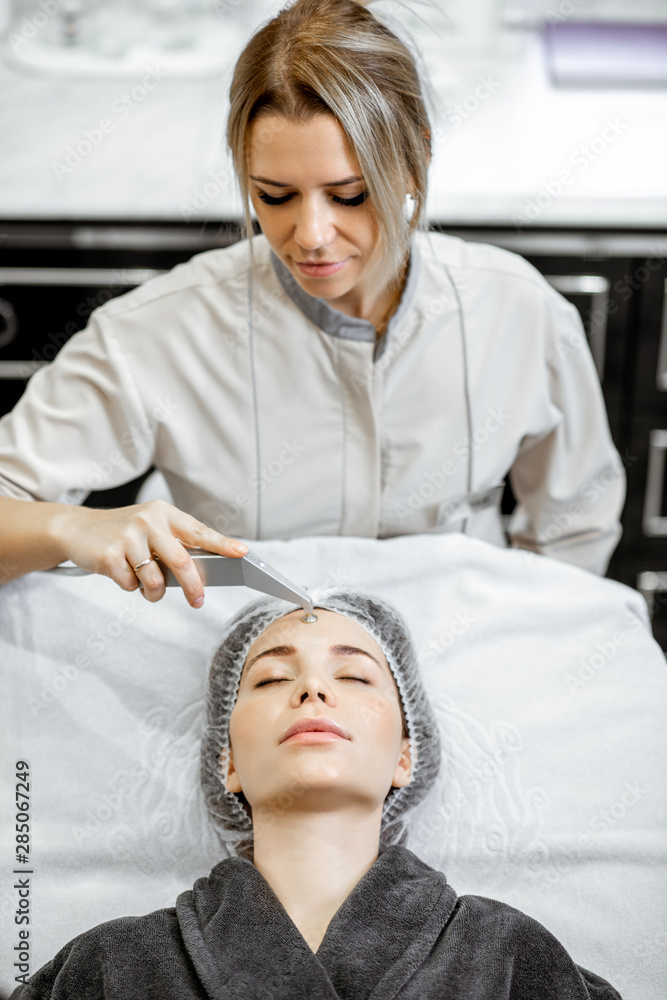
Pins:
x: 542, y: 967
x: 74, y: 973
x: 569, y: 480
x: 598, y: 988
x: 80, y: 425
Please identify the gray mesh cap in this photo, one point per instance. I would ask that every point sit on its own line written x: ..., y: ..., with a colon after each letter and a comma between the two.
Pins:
x: 386, y: 626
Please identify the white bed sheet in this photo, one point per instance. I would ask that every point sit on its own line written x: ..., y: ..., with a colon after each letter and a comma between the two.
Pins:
x: 549, y: 689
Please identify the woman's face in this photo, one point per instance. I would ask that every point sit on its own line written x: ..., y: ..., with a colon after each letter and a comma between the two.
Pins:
x: 327, y: 673
x: 310, y: 199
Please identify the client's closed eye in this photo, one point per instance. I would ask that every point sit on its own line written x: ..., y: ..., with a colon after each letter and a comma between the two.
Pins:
x: 277, y: 680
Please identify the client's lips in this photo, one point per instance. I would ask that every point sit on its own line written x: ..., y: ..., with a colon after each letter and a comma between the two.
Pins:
x: 314, y: 724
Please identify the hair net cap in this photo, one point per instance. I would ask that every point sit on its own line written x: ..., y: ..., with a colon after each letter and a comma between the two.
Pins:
x: 386, y: 626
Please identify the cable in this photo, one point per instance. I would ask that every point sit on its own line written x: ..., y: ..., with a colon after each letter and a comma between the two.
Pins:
x: 466, y: 386
x: 251, y: 352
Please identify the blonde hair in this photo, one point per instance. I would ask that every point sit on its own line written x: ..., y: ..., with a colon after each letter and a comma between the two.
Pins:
x: 334, y: 57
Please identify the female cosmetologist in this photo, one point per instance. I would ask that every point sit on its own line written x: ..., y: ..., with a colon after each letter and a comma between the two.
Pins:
x: 345, y: 372
x: 319, y: 740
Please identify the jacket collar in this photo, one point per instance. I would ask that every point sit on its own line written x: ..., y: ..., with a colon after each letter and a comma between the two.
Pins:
x: 243, y: 943
x: 336, y: 323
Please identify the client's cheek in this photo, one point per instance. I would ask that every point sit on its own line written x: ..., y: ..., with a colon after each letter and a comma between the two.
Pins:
x: 382, y: 709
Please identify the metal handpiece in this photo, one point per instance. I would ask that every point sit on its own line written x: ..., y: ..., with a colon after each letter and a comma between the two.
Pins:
x: 222, y: 571
x: 247, y: 571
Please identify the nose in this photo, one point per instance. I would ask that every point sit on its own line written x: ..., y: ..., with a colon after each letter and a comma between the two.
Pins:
x: 313, y: 688
x: 313, y: 227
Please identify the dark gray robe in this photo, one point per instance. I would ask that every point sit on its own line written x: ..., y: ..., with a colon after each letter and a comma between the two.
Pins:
x: 401, y: 933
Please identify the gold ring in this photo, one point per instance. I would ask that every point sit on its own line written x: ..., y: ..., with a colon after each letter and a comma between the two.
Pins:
x: 144, y: 562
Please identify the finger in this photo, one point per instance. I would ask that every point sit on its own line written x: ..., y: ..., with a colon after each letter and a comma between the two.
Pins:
x: 114, y: 565
x: 197, y: 535
x: 176, y: 558
x: 149, y: 578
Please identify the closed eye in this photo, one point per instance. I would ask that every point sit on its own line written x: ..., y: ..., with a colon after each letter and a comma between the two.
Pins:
x: 350, y: 202
x: 277, y: 680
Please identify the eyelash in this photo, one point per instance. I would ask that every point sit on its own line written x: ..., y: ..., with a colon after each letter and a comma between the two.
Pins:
x: 349, y: 202
x: 274, y: 680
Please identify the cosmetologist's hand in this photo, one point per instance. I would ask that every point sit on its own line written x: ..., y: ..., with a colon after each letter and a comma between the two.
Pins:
x: 113, y: 542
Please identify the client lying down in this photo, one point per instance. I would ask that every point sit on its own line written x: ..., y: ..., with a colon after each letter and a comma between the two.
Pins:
x: 319, y: 741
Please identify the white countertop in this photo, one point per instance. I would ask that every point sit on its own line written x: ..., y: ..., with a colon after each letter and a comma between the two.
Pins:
x: 497, y: 158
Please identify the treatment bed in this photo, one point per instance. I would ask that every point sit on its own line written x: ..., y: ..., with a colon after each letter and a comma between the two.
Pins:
x: 550, y: 692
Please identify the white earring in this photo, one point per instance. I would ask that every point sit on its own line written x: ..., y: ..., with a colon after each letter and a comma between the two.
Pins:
x: 409, y: 206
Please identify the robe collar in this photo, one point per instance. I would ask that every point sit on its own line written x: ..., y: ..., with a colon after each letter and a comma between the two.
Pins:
x: 336, y: 323
x: 243, y: 943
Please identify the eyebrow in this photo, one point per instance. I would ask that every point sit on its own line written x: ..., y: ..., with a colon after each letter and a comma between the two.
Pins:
x: 337, y: 650
x: 279, y: 184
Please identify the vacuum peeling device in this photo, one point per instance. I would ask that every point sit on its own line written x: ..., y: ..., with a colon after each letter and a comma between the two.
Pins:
x: 222, y: 571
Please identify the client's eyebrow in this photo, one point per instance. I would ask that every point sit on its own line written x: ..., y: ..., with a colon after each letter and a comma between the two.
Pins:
x: 289, y: 650
x: 279, y: 184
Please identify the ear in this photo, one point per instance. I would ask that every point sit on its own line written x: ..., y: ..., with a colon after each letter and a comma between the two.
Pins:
x: 403, y: 770
x: 232, y: 783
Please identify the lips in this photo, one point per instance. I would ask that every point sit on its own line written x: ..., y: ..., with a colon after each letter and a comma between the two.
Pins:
x: 318, y: 263
x: 314, y: 724
x: 320, y: 269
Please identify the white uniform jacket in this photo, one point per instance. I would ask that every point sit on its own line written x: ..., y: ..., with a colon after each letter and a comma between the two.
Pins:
x: 273, y: 415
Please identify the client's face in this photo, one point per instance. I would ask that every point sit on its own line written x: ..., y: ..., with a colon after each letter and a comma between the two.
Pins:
x: 317, y: 722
